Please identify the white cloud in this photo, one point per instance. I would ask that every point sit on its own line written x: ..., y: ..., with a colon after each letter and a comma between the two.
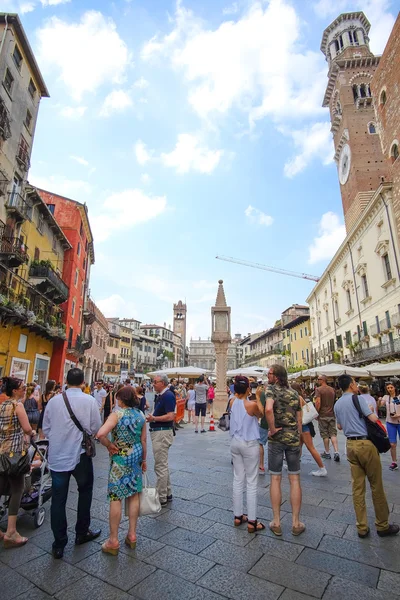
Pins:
x: 73, y: 112
x: 145, y: 178
x: 126, y: 209
x: 377, y: 12
x: 141, y: 83
x: 312, y: 142
x: 190, y: 155
x: 239, y: 66
x: 115, y: 305
x: 256, y: 216
x: 79, y: 159
x: 331, y: 234
x: 116, y: 101
x: 232, y: 9
x: 143, y: 155
x: 26, y: 7
x: 85, y: 54
x: 54, y: 2
x: 59, y: 184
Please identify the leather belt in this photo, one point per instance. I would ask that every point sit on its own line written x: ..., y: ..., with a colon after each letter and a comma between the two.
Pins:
x: 361, y: 437
x: 161, y: 429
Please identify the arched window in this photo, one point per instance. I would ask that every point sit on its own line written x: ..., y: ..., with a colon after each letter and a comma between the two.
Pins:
x: 394, y: 151
x: 371, y: 128
x: 363, y: 92
x: 383, y: 98
x: 355, y: 91
x: 338, y: 108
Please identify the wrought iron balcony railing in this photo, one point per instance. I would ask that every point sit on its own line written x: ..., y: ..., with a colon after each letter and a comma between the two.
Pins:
x: 48, y: 282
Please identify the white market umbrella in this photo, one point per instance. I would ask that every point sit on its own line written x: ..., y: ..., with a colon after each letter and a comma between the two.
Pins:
x: 246, y: 371
x: 334, y: 370
x: 384, y: 370
x: 179, y: 372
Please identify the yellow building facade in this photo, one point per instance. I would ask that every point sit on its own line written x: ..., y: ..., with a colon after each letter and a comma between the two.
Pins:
x: 31, y: 291
x: 296, y: 342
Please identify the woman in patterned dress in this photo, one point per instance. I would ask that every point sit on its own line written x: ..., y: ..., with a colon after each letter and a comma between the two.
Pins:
x: 127, y: 451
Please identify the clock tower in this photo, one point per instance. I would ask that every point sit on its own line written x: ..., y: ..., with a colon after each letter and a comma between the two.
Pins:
x: 358, y: 153
x: 180, y: 311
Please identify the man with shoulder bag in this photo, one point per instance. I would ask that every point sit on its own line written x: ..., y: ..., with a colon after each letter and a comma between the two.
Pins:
x: 70, y: 422
x: 355, y: 418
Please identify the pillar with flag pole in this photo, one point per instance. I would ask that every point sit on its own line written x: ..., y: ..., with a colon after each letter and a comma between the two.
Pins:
x: 221, y: 338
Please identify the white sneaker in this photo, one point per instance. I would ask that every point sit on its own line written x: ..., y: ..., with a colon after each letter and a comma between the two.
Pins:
x: 320, y: 473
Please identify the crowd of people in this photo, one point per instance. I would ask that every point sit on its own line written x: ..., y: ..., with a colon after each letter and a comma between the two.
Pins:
x: 261, y: 415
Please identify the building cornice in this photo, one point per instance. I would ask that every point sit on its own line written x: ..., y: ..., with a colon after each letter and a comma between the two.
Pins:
x: 347, y: 63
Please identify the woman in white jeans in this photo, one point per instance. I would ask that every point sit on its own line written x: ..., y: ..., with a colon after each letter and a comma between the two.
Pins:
x: 245, y: 452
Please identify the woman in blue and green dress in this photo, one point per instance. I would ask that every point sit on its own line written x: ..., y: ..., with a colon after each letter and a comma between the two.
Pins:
x: 127, y: 450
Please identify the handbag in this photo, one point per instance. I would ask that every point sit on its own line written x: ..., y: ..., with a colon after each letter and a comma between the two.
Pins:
x: 149, y: 500
x: 88, y: 443
x: 394, y: 407
x: 224, y: 421
x: 309, y: 413
x: 376, y: 432
x: 13, y: 464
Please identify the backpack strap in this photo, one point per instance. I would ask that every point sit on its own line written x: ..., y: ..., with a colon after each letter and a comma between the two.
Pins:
x: 357, y: 406
x: 71, y: 413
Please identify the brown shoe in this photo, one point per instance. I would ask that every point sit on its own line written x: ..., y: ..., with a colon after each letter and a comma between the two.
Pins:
x: 393, y: 529
x: 298, y: 530
x: 276, y: 529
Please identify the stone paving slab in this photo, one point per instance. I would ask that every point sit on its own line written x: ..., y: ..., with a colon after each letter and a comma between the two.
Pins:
x: 13, y: 584
x: 227, y: 533
x: 121, y: 571
x: 145, y: 547
x: 242, y: 559
x: 72, y: 554
x: 186, y: 521
x: 181, y: 563
x: 91, y: 587
x: 382, y: 558
x: 189, y: 507
x: 165, y: 586
x: 48, y: 574
x: 334, y: 565
x: 19, y: 556
x: 276, y: 547
x: 310, y: 510
x: 389, y: 582
x: 350, y: 590
x: 225, y: 581
x: 190, y: 541
x: 292, y: 575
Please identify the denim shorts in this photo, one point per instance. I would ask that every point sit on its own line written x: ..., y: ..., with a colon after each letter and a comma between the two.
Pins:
x: 263, y: 436
x: 200, y: 409
x: 276, y: 450
x: 393, y: 430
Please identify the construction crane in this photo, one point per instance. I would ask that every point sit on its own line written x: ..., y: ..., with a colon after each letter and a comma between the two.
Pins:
x: 267, y: 268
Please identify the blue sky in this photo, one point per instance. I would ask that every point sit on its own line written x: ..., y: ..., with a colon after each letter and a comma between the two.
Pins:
x: 193, y: 129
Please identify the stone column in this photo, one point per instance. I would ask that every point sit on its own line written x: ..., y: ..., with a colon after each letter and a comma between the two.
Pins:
x: 221, y: 338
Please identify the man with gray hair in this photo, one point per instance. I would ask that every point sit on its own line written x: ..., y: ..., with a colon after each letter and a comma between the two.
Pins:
x: 161, y: 433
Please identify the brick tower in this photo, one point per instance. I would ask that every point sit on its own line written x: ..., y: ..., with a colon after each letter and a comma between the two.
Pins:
x: 180, y: 312
x: 358, y: 152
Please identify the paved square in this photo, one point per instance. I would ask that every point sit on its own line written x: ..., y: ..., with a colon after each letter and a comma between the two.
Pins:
x: 192, y: 551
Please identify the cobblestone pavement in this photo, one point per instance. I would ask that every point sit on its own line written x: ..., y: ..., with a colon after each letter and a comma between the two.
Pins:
x: 192, y: 551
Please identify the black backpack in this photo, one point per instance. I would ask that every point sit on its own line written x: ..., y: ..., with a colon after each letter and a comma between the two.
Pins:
x: 376, y: 432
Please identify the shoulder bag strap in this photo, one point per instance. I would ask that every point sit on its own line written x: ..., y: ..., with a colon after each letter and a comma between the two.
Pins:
x: 14, y: 406
x: 71, y: 413
x: 357, y: 406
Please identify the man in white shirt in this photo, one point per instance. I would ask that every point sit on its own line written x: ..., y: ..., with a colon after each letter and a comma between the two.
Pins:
x: 67, y: 457
x: 100, y: 396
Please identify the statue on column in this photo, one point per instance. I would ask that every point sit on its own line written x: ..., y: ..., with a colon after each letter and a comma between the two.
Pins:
x: 221, y: 338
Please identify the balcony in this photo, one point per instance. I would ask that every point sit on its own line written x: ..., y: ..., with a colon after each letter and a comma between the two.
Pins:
x: 395, y: 319
x: 385, y: 326
x: 89, y: 314
x: 18, y: 206
x: 389, y: 350
x: 48, y: 283
x: 375, y: 330
x: 21, y: 304
x: 22, y: 157
x: 13, y: 252
x: 3, y: 182
x: 80, y: 346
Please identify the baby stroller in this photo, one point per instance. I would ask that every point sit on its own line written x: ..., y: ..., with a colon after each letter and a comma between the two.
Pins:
x: 37, y: 484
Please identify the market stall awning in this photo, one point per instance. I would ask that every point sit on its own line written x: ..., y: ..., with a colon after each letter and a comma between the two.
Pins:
x: 247, y: 371
x: 334, y: 370
x: 384, y: 369
x: 180, y: 372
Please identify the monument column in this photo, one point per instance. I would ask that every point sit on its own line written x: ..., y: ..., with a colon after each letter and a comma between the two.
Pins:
x: 221, y: 338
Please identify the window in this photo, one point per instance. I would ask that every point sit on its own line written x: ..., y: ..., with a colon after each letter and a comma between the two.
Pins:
x: 78, y: 251
x: 54, y: 246
x: 81, y: 230
x: 386, y: 265
x: 36, y: 255
x: 371, y: 128
x: 336, y: 307
x: 348, y: 337
x: 339, y: 341
x: 305, y: 331
x: 8, y: 81
x: 302, y: 354
x: 73, y: 308
x: 23, y: 340
x: 32, y: 88
x: 365, y: 286
x: 76, y: 277
x: 51, y: 208
x: 301, y: 333
x: 17, y: 56
x: 294, y: 336
x: 364, y: 328
x: 28, y: 120
x: 394, y: 151
x: 70, y: 336
x: 348, y: 297
x: 383, y: 98
x: 40, y: 224
x: 307, y: 356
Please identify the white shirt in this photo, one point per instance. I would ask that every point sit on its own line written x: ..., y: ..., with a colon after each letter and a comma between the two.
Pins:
x: 65, y: 439
x: 99, y: 395
x: 242, y: 426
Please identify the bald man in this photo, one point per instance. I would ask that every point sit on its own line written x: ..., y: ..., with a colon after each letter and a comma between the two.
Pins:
x: 324, y: 402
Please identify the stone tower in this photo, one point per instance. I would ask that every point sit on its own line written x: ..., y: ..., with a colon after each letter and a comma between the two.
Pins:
x: 358, y: 152
x: 221, y: 338
x: 180, y: 312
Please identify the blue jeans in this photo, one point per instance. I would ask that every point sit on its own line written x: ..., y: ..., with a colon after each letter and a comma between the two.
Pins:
x: 83, y: 474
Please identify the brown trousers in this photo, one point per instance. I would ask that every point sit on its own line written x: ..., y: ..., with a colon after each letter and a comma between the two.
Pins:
x: 161, y: 441
x: 365, y: 462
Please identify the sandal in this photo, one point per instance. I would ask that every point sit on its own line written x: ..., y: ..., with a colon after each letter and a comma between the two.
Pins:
x: 276, y: 529
x: 109, y: 549
x: 298, y: 530
x: 254, y: 526
x: 242, y: 519
x: 12, y: 542
x: 130, y: 543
